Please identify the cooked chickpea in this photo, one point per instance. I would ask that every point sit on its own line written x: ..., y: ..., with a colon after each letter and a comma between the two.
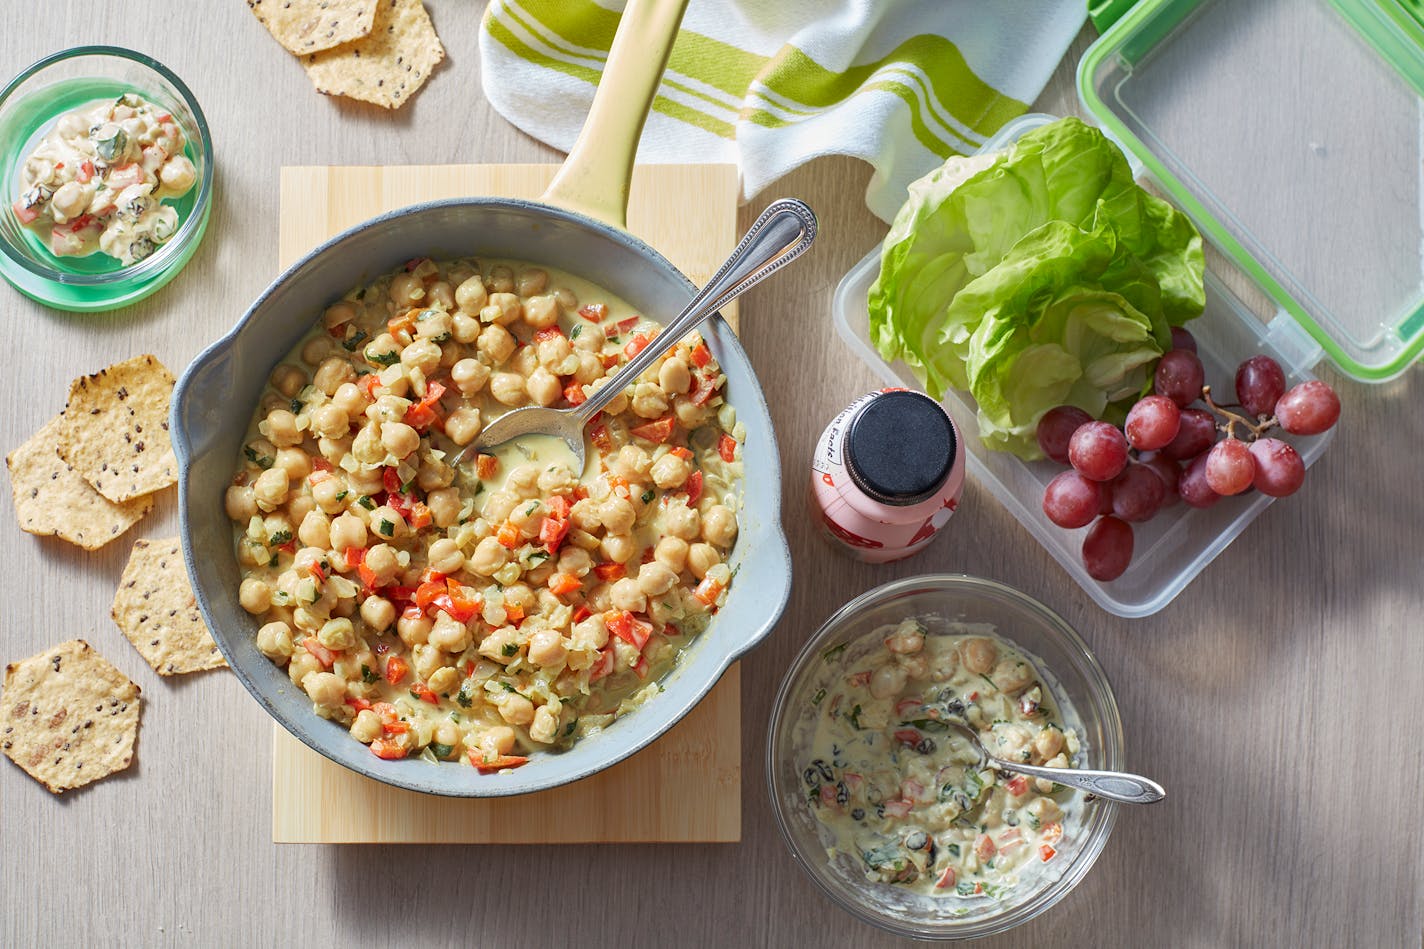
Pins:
x: 331, y: 421
x: 471, y: 295
x: 239, y: 503
x: 350, y: 399
x: 495, y: 342
x: 887, y: 681
x: 413, y: 631
x: 399, y: 438
x: 295, y: 462
x: 978, y: 655
x: 619, y: 548
x: 378, y: 613
x: 443, y: 681
x: 553, y: 352
x: 546, y: 648
x: 670, y: 471
x: 326, y: 689
x: 556, y: 479
x: 617, y: 514
x: 423, y: 354
x: 425, y: 659
x: 406, y: 290
x: 1012, y: 675
x: 508, y: 388
x: 282, y: 428
x: 671, y: 552
x: 434, y: 474
x: 387, y: 522
x: 1048, y: 743
x: 366, y: 727
x: 543, y: 387
x: 300, y: 506
x: 541, y: 312
x: 701, y: 558
x: 301, y: 665
x: 719, y: 526
x: 445, y: 556
x: 655, y: 579
x: 502, y: 309
x: 575, y: 561
x: 528, y: 516
x: 382, y: 562
x: 626, y: 595
x: 270, y: 489
x: 469, y: 376
x: 516, y: 709
x: 434, y: 325
x: 337, y: 634
x: 682, y: 521
x: 347, y: 531
x: 501, y: 279
x: 488, y: 557
x: 275, y: 640
x: 449, y: 634
x: 444, y: 506
x: 631, y: 463
x: 674, y: 376
x: 288, y: 379
x: 332, y: 374
x: 315, y: 530
x: 497, y: 740
x: 907, y: 639
x: 649, y: 400
x: 463, y: 425
x: 316, y: 349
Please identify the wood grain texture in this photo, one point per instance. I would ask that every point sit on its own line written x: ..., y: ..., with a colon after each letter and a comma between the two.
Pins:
x: 688, y: 780
x: 1272, y: 698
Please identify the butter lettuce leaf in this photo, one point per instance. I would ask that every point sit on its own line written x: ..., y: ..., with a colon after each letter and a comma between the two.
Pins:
x: 1035, y: 277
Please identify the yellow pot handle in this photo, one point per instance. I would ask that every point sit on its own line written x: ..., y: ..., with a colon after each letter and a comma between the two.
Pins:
x: 594, y: 178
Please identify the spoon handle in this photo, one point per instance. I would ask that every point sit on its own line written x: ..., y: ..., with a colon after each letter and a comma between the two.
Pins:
x: 1113, y: 785
x: 782, y: 233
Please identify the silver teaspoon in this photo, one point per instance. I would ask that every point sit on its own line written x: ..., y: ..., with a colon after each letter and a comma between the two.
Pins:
x: 782, y: 233
x: 1114, y: 785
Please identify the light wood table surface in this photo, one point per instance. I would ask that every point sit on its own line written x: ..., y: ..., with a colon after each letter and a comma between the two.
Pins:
x: 1275, y: 698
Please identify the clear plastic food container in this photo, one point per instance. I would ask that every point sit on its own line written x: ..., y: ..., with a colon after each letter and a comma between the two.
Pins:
x: 1291, y: 132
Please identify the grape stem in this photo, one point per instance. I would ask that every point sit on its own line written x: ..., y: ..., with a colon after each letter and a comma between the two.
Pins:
x: 1257, y: 428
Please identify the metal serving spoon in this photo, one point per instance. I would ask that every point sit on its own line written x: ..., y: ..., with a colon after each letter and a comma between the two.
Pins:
x: 782, y: 233
x: 1113, y: 785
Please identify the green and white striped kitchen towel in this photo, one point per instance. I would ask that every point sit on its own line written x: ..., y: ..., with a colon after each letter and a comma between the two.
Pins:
x: 771, y: 84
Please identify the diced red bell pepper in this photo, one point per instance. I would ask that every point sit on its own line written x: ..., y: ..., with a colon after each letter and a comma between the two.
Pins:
x: 495, y: 764
x: 946, y: 879
x: 627, y: 627
x: 640, y: 668
x: 693, y: 484
x: 321, y: 464
x: 396, y: 670
x: 423, y: 692
x: 708, y: 590
x: 125, y: 175
x: 727, y: 448
x: 574, y: 394
x: 389, y: 750
x: 419, y: 515
x: 610, y: 571
x: 908, y: 737
x: 426, y: 593
x: 369, y: 383
x: 359, y: 704
x: 421, y: 414
x: 657, y: 431
x: 27, y: 215
x: 636, y: 345
x: 1053, y: 832
x: 323, y: 655
x: 412, y: 612
x: 547, y: 333
x: 355, y: 556
x: 562, y: 584
x: 582, y: 613
x: 594, y: 312
x: 625, y: 325
x: 905, y: 708
x: 1046, y: 853
x: 85, y: 174
x: 701, y: 355
x: 515, y: 614
x: 81, y: 222
x: 559, y: 505
x: 317, y: 573
x: 406, y: 321
x: 368, y: 576
x: 1017, y: 785
x: 898, y: 808
x: 508, y: 535
x: 684, y: 453
x: 391, y: 480
x: 600, y: 438
x: 486, y: 466
x: 703, y: 390
x: 603, y: 667
x: 456, y: 604
x: 984, y: 847
x: 552, y: 532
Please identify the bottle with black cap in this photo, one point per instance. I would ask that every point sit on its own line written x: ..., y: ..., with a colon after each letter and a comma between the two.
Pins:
x: 887, y: 474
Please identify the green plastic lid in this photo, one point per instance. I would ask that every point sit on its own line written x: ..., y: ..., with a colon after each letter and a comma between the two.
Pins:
x: 1291, y: 131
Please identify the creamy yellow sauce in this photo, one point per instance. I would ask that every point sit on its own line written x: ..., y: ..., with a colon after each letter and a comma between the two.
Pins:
x: 905, y: 797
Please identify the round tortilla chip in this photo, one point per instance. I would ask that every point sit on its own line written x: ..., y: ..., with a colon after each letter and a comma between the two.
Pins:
x: 310, y: 26
x: 156, y: 609
x: 115, y: 429
x: 68, y: 717
x: 51, y: 499
x: 387, y: 67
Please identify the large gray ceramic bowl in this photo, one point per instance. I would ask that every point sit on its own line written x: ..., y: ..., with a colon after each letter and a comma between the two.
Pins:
x: 218, y: 393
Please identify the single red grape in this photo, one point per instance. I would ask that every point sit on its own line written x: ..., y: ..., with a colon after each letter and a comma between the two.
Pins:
x: 1170, y: 473
x: 1195, y: 434
x: 1193, y: 486
x: 1179, y: 377
x: 1152, y: 423
x: 1279, y: 470
x: 1308, y: 409
x: 1182, y: 339
x: 1107, y: 549
x: 1071, y: 500
x: 1230, y: 469
x: 1056, y: 428
x: 1098, y: 450
x: 1137, y: 493
x: 1260, y: 381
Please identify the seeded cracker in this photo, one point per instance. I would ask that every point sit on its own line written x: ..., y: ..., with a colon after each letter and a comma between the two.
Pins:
x: 156, y: 609
x: 68, y: 717
x: 309, y: 26
x: 386, y: 67
x: 115, y: 429
x: 52, y: 499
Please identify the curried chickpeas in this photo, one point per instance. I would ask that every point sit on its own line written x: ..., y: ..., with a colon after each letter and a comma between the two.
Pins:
x: 380, y: 573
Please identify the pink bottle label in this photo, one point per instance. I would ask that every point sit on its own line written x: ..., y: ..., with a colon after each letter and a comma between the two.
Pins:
x: 869, y: 529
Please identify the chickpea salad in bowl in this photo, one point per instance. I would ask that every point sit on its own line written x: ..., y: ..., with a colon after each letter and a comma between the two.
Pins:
x: 905, y: 795
x: 482, y: 618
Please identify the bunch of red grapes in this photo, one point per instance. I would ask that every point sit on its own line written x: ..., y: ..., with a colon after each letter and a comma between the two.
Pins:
x: 1122, y: 476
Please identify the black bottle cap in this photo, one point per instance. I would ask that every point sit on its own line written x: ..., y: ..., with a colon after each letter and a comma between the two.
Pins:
x: 900, y: 448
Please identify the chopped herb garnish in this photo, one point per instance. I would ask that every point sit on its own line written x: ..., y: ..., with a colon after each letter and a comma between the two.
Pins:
x: 508, y: 687
x: 356, y: 340
x: 854, y: 717
x: 441, y: 751
x: 576, y: 331
x: 648, y: 496
x: 367, y: 676
x: 279, y: 538
x: 928, y: 725
x: 463, y: 696
x: 383, y: 359
x: 510, y: 649
x: 297, y: 406
x: 816, y: 699
x: 533, y: 506
x: 569, y: 728
x: 342, y: 495
x: 262, y: 461
x: 386, y: 528
x: 834, y: 652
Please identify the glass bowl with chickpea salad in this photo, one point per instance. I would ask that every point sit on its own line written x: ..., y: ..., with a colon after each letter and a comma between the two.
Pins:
x: 475, y: 620
x: 887, y: 810
x: 107, y: 177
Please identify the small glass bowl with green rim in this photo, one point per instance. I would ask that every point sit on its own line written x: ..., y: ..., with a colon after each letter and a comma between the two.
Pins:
x: 1066, y: 667
x: 29, y: 106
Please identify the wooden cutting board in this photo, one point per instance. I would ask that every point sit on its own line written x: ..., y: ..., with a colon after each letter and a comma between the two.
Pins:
x: 686, y: 787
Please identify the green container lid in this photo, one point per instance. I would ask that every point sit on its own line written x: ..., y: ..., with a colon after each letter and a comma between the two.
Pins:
x: 1291, y: 131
